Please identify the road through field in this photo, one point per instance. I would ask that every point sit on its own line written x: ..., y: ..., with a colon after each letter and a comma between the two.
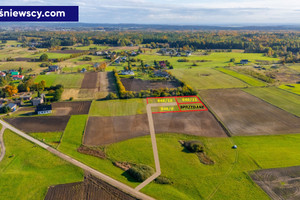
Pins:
x: 154, y: 145
x: 94, y: 172
x: 2, y: 144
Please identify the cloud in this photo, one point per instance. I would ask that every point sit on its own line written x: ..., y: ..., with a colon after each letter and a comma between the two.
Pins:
x: 178, y: 11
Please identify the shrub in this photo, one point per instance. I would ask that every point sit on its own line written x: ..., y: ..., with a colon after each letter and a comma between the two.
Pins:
x: 111, y: 95
x: 71, y: 98
x: 163, y: 180
x: 140, y: 172
x: 44, y: 65
x: 44, y: 57
x: 86, y: 58
x: 194, y: 146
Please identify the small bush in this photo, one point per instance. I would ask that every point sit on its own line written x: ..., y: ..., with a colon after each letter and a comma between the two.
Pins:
x: 194, y: 146
x: 163, y: 180
x: 140, y: 172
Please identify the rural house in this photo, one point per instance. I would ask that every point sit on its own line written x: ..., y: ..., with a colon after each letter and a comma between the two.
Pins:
x: 18, y: 77
x: 3, y: 74
x: 43, y: 109
x: 53, y: 68
x: 12, y: 106
x: 188, y: 53
x: 162, y: 64
x: 36, y: 101
x: 129, y: 72
x: 96, y: 65
x: 244, y: 62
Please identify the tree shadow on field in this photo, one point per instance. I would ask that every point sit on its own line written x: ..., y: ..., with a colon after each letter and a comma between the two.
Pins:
x: 128, y: 177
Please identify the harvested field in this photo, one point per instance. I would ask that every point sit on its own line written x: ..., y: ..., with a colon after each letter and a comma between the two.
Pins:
x: 68, y: 93
x: 138, y: 84
x: 107, y: 130
x: 72, y: 108
x: 106, y: 84
x: 86, y: 93
x: 244, y: 114
x: 90, y: 80
x: 39, y: 124
x: 281, y: 183
x: 91, y: 188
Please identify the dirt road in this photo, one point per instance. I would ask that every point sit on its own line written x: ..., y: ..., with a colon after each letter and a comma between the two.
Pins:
x: 67, y: 158
x: 154, y: 145
x: 2, y: 144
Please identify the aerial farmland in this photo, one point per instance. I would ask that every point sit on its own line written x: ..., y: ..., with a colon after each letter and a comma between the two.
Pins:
x: 148, y: 120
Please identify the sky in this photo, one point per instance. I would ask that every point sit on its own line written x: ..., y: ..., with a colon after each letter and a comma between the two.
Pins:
x: 180, y: 12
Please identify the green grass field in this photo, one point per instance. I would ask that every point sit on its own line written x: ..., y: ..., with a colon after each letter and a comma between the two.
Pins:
x: 295, y: 67
x: 185, y: 169
x: 280, y: 98
x: 118, y: 107
x: 27, y: 170
x: 215, y: 59
x: 247, y: 79
x: 50, y: 55
x: 67, y: 80
x: 228, y: 178
x: 207, y: 78
x: 50, y: 138
x: 295, y: 88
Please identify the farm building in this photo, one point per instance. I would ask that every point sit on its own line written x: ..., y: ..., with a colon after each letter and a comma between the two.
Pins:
x: 53, y: 68
x: 26, y: 97
x: 159, y: 73
x: 14, y: 73
x: 129, y: 72
x: 244, y: 62
x: 43, y: 109
x: 18, y: 77
x: 12, y: 106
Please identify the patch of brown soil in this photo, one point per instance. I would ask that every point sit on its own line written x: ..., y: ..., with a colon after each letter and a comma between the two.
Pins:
x: 93, y: 152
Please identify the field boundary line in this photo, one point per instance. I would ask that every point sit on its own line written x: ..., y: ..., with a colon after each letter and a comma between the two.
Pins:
x: 123, y: 187
x: 227, y: 131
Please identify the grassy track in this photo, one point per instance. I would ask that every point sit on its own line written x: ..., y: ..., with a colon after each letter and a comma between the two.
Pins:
x: 67, y: 80
x: 295, y: 88
x: 50, y: 138
x: 27, y: 170
x: 118, y: 107
x: 207, y: 78
x: 248, y: 79
x: 280, y: 98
